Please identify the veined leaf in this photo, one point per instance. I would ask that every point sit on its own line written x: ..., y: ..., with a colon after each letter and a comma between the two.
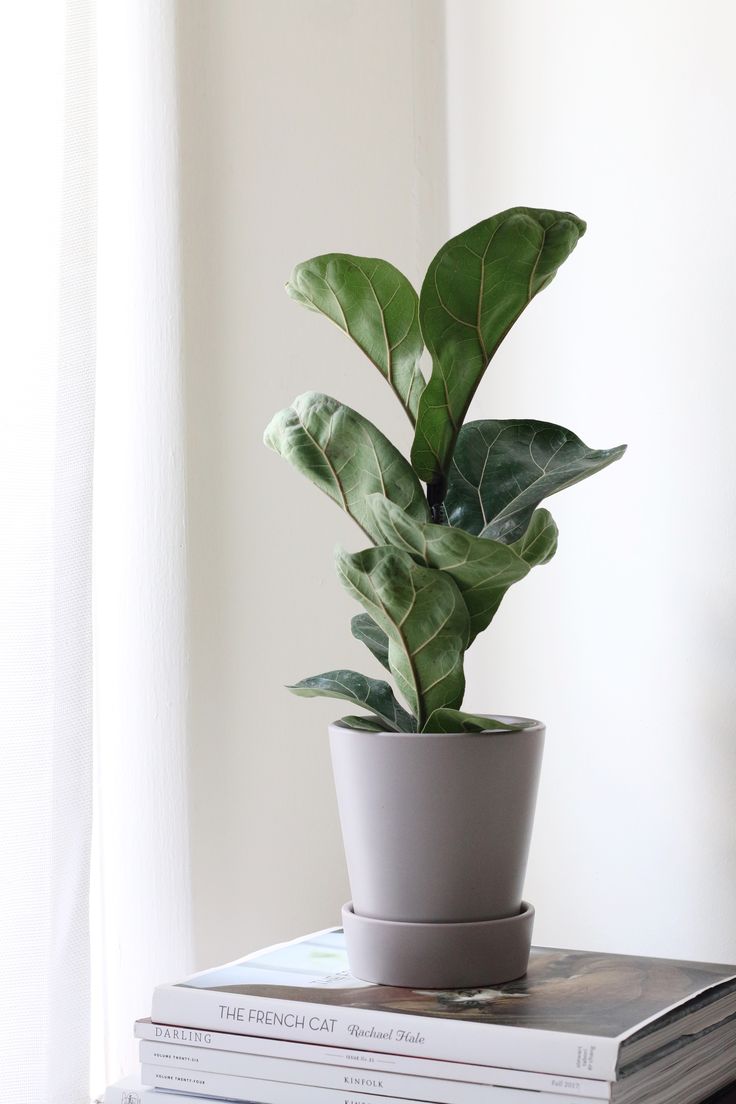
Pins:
x: 373, y: 694
x: 454, y: 720
x: 475, y: 289
x: 501, y: 471
x: 482, y: 569
x: 367, y: 723
x: 423, y: 614
x: 345, y: 456
x: 365, y: 629
x: 539, y: 543
x: 375, y: 304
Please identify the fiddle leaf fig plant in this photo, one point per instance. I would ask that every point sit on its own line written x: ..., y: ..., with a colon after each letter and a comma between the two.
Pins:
x: 443, y: 555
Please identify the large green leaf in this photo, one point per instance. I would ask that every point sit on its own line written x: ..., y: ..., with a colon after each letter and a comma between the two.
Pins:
x: 365, y: 629
x: 367, y: 722
x: 501, y: 471
x: 345, y: 456
x: 373, y: 694
x: 423, y: 614
x: 482, y: 569
x: 373, y: 303
x: 475, y: 289
x: 454, y: 720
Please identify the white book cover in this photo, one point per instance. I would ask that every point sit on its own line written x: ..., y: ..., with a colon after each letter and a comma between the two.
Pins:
x: 362, y: 1061
x: 259, y: 1091
x: 319, y: 1075
x: 573, y: 1014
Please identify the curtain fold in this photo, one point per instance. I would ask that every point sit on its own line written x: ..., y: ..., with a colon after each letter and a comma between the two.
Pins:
x: 47, y: 225
x: 141, y: 882
x: 92, y: 543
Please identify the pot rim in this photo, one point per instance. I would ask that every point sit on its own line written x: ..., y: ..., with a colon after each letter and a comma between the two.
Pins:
x: 529, y: 725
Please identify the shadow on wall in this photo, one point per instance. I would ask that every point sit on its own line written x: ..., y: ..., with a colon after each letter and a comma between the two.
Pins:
x: 303, y: 128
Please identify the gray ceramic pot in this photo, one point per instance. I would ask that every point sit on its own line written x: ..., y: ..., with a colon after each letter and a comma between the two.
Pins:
x: 436, y: 831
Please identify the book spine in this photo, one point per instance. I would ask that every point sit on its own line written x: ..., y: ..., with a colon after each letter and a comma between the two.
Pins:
x: 553, y: 1052
x: 259, y: 1091
x: 431, y: 1089
x: 365, y: 1061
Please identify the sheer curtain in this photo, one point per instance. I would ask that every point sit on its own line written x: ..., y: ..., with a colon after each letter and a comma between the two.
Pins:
x: 47, y: 216
x: 141, y: 879
x: 89, y: 224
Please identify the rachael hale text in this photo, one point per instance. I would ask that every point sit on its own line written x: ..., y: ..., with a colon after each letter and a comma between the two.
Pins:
x: 295, y: 1021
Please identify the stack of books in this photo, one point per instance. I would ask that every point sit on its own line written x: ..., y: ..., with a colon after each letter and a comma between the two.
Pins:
x: 290, y: 1025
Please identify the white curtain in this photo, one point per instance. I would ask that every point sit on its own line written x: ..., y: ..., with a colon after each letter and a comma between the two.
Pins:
x: 141, y: 876
x: 89, y: 292
x: 47, y: 219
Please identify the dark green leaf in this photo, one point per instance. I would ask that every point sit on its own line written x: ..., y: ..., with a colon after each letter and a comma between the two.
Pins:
x: 365, y: 629
x: 502, y: 470
x: 365, y: 723
x: 454, y: 720
x: 539, y: 543
x: 373, y: 303
x: 475, y: 289
x: 423, y: 614
x: 345, y: 456
x: 482, y: 569
x: 373, y: 694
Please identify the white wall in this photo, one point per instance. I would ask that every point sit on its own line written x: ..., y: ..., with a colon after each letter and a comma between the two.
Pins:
x: 306, y: 127
x: 317, y: 125
x: 626, y: 643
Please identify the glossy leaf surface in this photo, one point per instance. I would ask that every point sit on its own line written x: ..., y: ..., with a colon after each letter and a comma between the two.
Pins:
x: 365, y: 629
x: 455, y: 720
x: 366, y: 723
x: 424, y: 617
x: 482, y: 569
x: 373, y: 694
x: 376, y: 306
x: 502, y: 470
x: 475, y: 289
x: 346, y: 456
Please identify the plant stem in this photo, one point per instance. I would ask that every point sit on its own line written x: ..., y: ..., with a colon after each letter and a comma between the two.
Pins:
x: 435, y: 497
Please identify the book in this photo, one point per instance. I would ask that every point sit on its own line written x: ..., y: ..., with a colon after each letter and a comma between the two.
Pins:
x: 433, y: 1090
x: 575, y: 1014
x: 359, y: 1061
x: 674, y: 1079
x: 255, y: 1090
x: 131, y: 1091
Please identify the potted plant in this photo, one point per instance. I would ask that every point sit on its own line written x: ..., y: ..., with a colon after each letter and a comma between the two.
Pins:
x: 436, y: 804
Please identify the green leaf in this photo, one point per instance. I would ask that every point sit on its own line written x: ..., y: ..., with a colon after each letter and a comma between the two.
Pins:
x: 366, y: 723
x: 373, y: 694
x: 365, y: 629
x: 345, y: 456
x: 422, y: 613
x: 502, y: 470
x: 375, y: 304
x: 482, y: 569
x: 539, y: 543
x: 475, y: 289
x: 454, y: 720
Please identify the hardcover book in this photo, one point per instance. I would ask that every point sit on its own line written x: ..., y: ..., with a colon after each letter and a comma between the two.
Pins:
x: 574, y: 1014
